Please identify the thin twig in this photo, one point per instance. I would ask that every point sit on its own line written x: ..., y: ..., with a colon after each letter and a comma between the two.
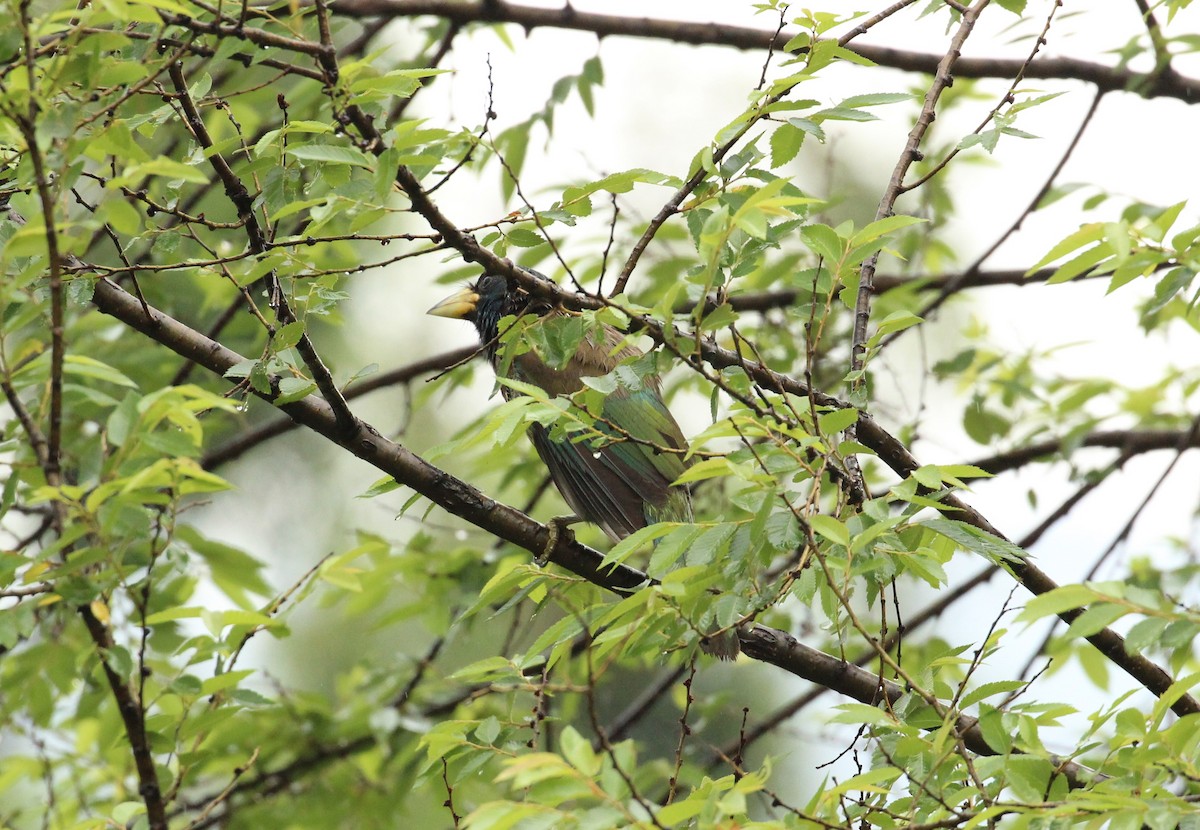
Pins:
x: 242, y: 200
x: 761, y: 110
x: 220, y: 798
x: 950, y: 286
x: 396, y: 377
x: 910, y: 153
x: 1186, y: 440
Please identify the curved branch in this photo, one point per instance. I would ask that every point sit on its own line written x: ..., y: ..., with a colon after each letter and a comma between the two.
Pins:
x: 452, y: 494
x: 460, y: 498
x: 396, y: 377
x: 892, y: 452
x: 463, y: 500
x: 1165, y: 83
x: 783, y: 650
x: 1129, y: 441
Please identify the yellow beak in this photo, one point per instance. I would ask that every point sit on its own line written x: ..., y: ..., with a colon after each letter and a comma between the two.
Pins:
x: 457, y: 306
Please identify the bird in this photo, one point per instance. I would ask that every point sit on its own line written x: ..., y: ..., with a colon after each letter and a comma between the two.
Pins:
x: 622, y: 483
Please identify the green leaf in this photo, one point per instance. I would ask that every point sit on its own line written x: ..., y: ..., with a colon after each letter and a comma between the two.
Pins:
x: 1063, y: 598
x: 1086, y: 235
x: 380, y: 486
x: 991, y: 726
x: 1029, y: 777
x: 785, y: 144
x: 631, y: 543
x: 830, y: 528
x: 824, y: 241
x: 224, y: 681
x: 862, y: 713
x: 1145, y: 634
x: 986, y: 690
x: 164, y: 167
x: 622, y: 182
x: 1096, y: 618
x: 894, y: 322
x: 234, y: 571
x: 79, y: 365
x: 874, y: 99
x: 883, y: 227
x: 524, y: 238
x: 832, y: 423
x: 288, y: 336
x: 294, y: 389
x: 172, y: 614
x: 331, y: 154
x: 578, y: 751
x: 992, y: 548
x: 808, y: 126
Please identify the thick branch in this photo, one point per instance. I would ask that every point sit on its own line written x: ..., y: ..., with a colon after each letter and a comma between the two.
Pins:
x: 240, y: 196
x: 464, y: 500
x: 133, y: 716
x: 1129, y: 441
x: 396, y: 377
x: 1166, y: 83
x: 452, y: 494
x: 461, y: 499
x: 893, y: 453
x: 783, y: 650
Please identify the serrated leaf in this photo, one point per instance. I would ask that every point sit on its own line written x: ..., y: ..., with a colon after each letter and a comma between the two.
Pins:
x: 1063, y: 598
x: 785, y: 144
x: 992, y: 548
x: 830, y: 528
x: 224, y: 681
x: 862, y: 713
x: 1086, y: 235
x: 987, y: 690
x: 875, y: 99
x: 331, y: 154
x: 1096, y: 618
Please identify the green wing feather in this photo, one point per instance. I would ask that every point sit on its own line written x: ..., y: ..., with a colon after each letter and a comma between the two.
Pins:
x: 621, y: 485
x: 645, y: 417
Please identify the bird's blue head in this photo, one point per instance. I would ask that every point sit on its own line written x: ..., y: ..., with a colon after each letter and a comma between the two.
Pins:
x: 484, y: 303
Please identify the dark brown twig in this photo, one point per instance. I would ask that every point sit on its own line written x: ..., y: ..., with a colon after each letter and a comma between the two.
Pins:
x: 1166, y: 83
x: 910, y: 153
x: 237, y: 193
x: 952, y: 285
x: 1186, y: 440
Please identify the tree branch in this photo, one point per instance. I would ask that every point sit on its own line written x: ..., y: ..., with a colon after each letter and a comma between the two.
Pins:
x: 910, y: 153
x: 781, y: 649
x: 763, y: 108
x: 237, y: 193
x: 1167, y: 83
x: 949, y: 287
x: 452, y: 494
x: 930, y: 612
x: 133, y: 717
x: 1131, y: 442
x: 396, y: 377
x: 890, y: 450
x: 460, y: 498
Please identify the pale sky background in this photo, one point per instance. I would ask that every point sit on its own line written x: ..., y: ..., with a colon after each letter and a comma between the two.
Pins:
x: 661, y: 103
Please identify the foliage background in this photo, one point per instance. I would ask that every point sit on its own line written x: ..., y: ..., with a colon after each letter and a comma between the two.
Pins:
x: 370, y: 643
